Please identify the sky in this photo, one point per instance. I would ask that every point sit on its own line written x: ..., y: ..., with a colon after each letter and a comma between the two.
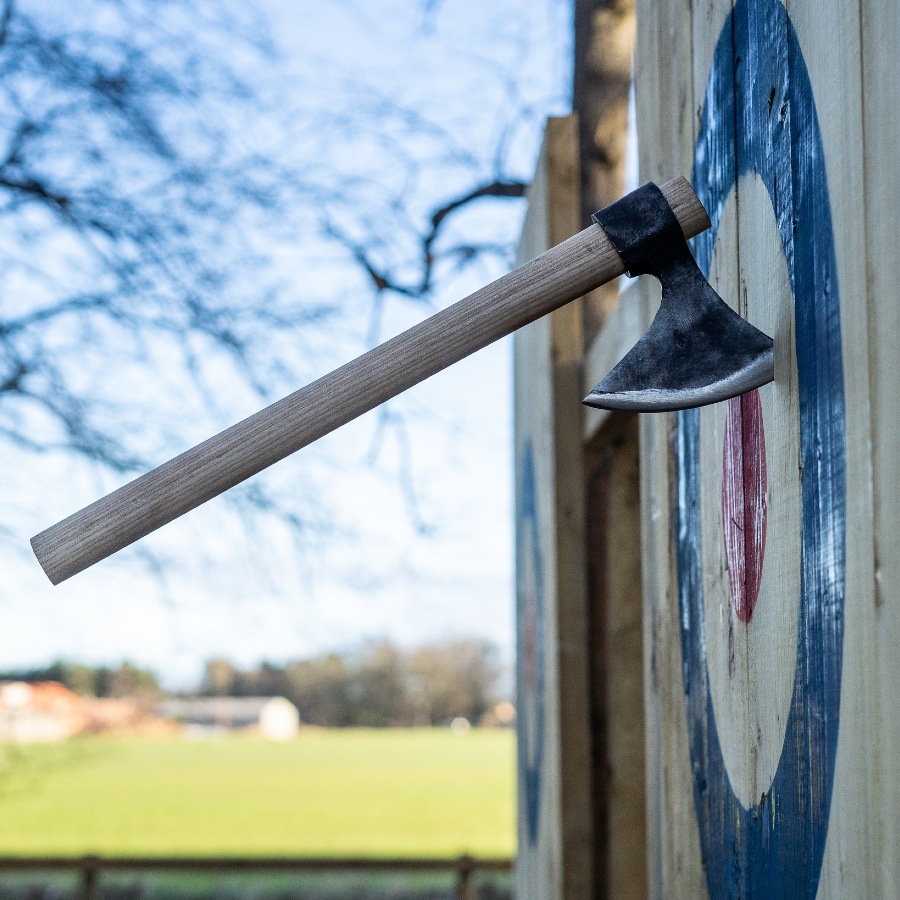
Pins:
x: 416, y: 558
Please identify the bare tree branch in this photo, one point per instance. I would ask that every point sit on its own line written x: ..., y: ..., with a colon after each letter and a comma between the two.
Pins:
x: 148, y: 191
x: 383, y: 280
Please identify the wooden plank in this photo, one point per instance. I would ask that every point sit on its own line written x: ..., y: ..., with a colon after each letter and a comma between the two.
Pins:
x: 617, y: 690
x: 880, y: 33
x: 653, y: 466
x: 665, y: 116
x: 854, y: 852
x: 555, y: 856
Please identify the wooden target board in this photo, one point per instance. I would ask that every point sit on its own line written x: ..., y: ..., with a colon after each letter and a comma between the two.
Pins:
x: 581, y: 822
x: 772, y: 628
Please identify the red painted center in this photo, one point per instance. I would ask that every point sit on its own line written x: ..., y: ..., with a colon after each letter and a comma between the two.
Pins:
x: 744, y: 500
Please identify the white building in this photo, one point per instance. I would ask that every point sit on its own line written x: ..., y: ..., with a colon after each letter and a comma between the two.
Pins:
x: 275, y: 718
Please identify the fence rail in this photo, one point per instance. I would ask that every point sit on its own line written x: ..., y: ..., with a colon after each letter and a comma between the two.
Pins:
x: 91, y: 867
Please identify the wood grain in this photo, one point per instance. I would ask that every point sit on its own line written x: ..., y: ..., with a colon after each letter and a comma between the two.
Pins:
x: 667, y: 108
x: 880, y: 606
x: 556, y: 277
x: 862, y: 845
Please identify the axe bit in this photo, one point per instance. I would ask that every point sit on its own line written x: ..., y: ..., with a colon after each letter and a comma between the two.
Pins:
x: 698, y: 350
x: 562, y: 274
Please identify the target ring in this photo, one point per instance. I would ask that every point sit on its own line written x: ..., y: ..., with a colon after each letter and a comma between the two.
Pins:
x: 531, y: 650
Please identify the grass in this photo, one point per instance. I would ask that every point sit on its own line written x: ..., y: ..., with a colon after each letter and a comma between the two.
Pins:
x: 417, y: 792
x: 142, y: 886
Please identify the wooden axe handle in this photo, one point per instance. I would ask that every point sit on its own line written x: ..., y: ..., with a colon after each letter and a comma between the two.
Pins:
x: 567, y: 271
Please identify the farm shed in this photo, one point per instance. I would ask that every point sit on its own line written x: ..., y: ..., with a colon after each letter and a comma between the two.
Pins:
x: 275, y: 718
x: 708, y: 618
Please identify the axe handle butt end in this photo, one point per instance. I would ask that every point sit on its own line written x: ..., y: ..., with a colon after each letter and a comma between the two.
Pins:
x: 686, y: 205
x: 562, y: 274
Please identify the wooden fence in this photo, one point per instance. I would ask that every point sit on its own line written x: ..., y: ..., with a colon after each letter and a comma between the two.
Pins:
x: 90, y: 868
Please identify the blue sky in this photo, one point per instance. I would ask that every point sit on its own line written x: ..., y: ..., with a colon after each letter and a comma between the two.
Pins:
x: 439, y: 565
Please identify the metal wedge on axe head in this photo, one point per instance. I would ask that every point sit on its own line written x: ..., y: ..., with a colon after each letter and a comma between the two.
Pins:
x: 695, y: 352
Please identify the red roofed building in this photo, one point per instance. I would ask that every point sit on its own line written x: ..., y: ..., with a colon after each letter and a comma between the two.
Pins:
x: 45, y: 711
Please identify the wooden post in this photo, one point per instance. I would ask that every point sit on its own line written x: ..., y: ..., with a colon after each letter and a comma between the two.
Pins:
x: 614, y: 613
x: 465, y: 878
x: 604, y: 43
x: 90, y: 877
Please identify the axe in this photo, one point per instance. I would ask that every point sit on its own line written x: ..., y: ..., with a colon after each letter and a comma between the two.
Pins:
x: 696, y: 351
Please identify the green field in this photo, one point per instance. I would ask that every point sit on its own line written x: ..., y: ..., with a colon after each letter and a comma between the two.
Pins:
x: 417, y: 792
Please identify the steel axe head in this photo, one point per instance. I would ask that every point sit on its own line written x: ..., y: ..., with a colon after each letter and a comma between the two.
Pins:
x: 697, y: 350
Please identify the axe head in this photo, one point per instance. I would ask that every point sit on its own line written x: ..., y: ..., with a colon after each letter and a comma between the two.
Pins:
x: 697, y: 350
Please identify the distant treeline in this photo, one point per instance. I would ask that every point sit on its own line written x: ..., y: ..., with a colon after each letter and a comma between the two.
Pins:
x: 125, y: 680
x: 377, y: 685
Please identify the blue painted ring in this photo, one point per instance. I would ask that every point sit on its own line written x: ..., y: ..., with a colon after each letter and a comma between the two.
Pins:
x: 531, y: 651
x: 759, y: 116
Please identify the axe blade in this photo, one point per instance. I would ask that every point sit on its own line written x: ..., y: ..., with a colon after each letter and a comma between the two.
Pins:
x: 697, y: 350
